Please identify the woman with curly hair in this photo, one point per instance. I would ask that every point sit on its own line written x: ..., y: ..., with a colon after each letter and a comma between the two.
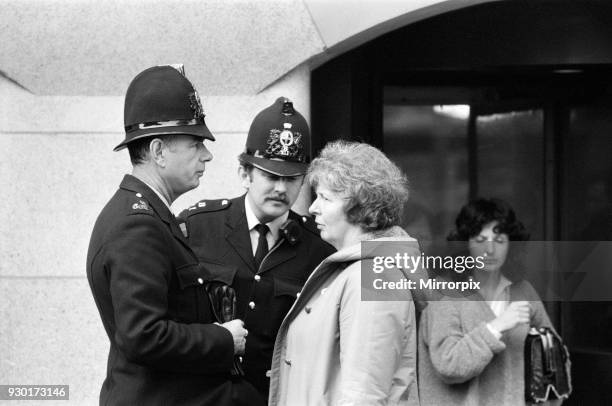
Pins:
x: 471, y: 348
x: 333, y: 348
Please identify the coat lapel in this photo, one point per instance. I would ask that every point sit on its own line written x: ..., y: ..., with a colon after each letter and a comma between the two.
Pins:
x: 237, y: 232
x: 316, y: 280
x: 336, y: 262
x: 281, y: 254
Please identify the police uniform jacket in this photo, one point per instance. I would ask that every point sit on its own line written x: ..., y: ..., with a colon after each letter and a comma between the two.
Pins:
x: 218, y: 233
x: 149, y: 290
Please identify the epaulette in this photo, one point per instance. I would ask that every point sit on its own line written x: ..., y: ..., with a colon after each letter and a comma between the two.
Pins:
x: 206, y: 206
x: 139, y: 205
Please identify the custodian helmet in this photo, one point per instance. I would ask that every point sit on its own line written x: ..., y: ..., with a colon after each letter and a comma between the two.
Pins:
x: 279, y: 140
x: 162, y: 101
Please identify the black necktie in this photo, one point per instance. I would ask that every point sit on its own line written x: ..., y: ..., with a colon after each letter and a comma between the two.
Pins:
x: 262, y: 243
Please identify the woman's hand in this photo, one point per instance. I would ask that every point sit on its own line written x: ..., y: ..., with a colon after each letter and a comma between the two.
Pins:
x: 517, y: 312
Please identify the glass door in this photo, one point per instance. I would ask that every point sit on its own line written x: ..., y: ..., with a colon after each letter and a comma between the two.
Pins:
x: 549, y: 156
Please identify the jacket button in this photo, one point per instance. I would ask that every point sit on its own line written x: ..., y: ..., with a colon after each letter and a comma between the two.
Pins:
x: 297, y: 294
x: 288, y: 362
x: 252, y: 305
x: 308, y: 309
x: 257, y: 278
x: 200, y: 281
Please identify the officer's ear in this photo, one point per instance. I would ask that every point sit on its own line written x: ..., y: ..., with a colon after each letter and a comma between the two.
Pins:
x: 156, y: 151
x: 245, y: 177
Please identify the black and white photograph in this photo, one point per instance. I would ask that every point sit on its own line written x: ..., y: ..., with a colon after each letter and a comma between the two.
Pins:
x: 306, y: 202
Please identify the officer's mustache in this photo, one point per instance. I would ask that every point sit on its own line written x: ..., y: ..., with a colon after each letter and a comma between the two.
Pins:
x: 282, y: 199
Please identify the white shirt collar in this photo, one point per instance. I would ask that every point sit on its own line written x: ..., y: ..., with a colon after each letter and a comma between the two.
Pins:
x: 252, y: 219
x: 163, y: 199
x: 501, y: 292
x: 501, y: 297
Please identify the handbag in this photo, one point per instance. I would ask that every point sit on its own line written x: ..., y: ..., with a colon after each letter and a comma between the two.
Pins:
x: 547, y: 366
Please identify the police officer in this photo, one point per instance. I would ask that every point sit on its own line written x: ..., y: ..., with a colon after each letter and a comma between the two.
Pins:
x: 255, y: 240
x: 146, y: 281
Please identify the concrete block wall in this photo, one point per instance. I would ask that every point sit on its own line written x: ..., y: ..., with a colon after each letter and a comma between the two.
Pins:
x: 57, y: 170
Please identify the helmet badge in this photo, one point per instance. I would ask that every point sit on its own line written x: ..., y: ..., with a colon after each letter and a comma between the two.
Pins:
x: 286, y: 139
x: 285, y: 144
x: 196, y: 105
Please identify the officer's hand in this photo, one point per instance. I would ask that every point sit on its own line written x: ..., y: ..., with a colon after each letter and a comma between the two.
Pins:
x: 239, y: 333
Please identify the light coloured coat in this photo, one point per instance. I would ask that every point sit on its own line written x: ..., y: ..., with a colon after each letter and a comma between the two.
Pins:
x: 335, y: 349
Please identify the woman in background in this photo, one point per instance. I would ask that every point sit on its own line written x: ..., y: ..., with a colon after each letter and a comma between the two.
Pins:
x: 333, y: 348
x: 471, y: 348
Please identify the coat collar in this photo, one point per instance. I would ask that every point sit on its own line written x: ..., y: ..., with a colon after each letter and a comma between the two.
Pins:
x: 133, y: 184
x: 237, y: 235
x: 376, y: 240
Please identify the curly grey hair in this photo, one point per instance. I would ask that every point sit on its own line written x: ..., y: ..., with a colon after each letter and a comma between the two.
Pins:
x: 376, y: 189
